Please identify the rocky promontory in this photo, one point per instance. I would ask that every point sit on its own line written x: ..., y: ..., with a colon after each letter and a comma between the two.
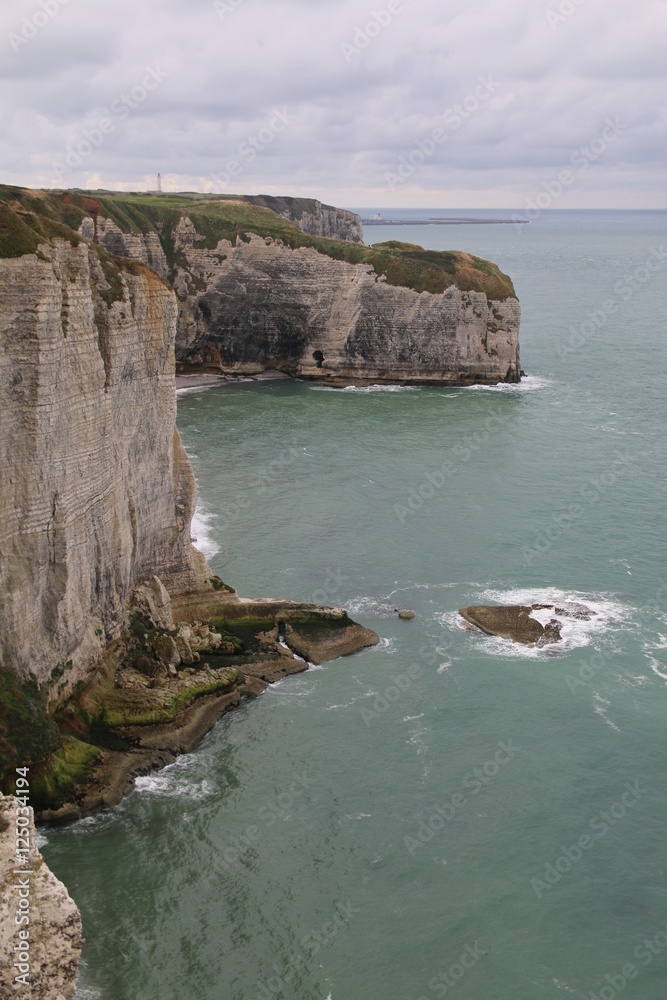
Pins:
x: 262, y: 285
x: 119, y: 648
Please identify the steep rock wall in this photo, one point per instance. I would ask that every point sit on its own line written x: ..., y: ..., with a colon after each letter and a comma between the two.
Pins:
x: 260, y: 304
x: 332, y: 223
x: 312, y: 217
x: 97, y: 492
x: 145, y: 247
x: 54, y: 942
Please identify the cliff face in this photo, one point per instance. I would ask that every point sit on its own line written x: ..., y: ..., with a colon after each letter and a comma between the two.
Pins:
x: 314, y: 218
x: 97, y: 492
x: 55, y: 940
x: 267, y: 305
x: 145, y: 247
x: 257, y: 289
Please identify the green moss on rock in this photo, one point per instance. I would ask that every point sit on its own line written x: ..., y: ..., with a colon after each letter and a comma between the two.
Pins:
x: 54, y: 781
x: 232, y: 218
x: 151, y: 708
x: 28, y: 734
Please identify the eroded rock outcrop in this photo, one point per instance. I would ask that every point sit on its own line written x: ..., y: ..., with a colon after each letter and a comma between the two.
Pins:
x: 269, y: 288
x: 54, y: 940
x: 520, y: 622
x: 145, y: 247
x: 97, y: 491
x: 314, y: 218
x: 261, y: 304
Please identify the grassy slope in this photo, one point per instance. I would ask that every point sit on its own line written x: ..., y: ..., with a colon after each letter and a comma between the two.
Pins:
x: 28, y: 217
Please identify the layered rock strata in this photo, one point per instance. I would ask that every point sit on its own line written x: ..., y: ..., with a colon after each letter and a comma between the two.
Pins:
x: 314, y: 218
x: 97, y: 491
x: 259, y: 304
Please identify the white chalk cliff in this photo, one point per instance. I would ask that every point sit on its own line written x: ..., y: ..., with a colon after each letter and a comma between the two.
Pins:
x: 97, y: 491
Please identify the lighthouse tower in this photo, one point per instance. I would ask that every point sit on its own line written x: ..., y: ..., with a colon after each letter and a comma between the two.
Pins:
x: 159, y: 183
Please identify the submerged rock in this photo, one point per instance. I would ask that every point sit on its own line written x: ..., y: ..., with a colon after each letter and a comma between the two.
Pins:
x: 406, y: 616
x: 515, y: 622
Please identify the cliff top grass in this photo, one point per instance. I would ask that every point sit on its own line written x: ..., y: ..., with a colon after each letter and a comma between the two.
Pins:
x: 28, y: 217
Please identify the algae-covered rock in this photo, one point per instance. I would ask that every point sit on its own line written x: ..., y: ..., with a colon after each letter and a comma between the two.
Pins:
x: 514, y: 622
x: 319, y: 639
x: 27, y: 733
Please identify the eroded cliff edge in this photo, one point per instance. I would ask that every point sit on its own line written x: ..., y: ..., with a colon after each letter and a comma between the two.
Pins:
x: 265, y: 305
x: 102, y: 677
x: 40, y: 925
x: 97, y: 492
x: 256, y: 291
x: 96, y: 506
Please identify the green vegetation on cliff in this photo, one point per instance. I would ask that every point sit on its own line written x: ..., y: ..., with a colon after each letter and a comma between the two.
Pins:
x: 28, y: 217
x: 56, y: 780
x: 27, y: 733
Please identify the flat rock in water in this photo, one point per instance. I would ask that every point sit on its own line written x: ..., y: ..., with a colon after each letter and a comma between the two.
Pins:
x: 322, y: 644
x: 514, y: 622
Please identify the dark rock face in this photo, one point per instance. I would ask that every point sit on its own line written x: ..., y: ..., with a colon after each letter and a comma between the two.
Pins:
x: 264, y: 305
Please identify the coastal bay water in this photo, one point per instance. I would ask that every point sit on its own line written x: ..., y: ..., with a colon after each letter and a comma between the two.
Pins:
x: 446, y: 814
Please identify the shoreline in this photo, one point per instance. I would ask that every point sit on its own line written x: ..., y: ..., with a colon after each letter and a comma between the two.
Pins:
x: 205, y: 380
x: 143, y: 708
x: 208, y: 380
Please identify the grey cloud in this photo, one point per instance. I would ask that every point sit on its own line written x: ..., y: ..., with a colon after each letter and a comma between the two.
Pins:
x: 356, y: 110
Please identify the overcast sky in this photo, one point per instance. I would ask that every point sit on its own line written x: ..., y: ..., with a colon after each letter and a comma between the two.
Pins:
x: 447, y: 103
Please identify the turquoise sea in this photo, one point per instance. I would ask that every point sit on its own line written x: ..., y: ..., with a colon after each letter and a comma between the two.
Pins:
x: 446, y: 814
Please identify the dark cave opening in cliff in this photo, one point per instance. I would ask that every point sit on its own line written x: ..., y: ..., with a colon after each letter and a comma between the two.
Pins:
x: 318, y: 358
